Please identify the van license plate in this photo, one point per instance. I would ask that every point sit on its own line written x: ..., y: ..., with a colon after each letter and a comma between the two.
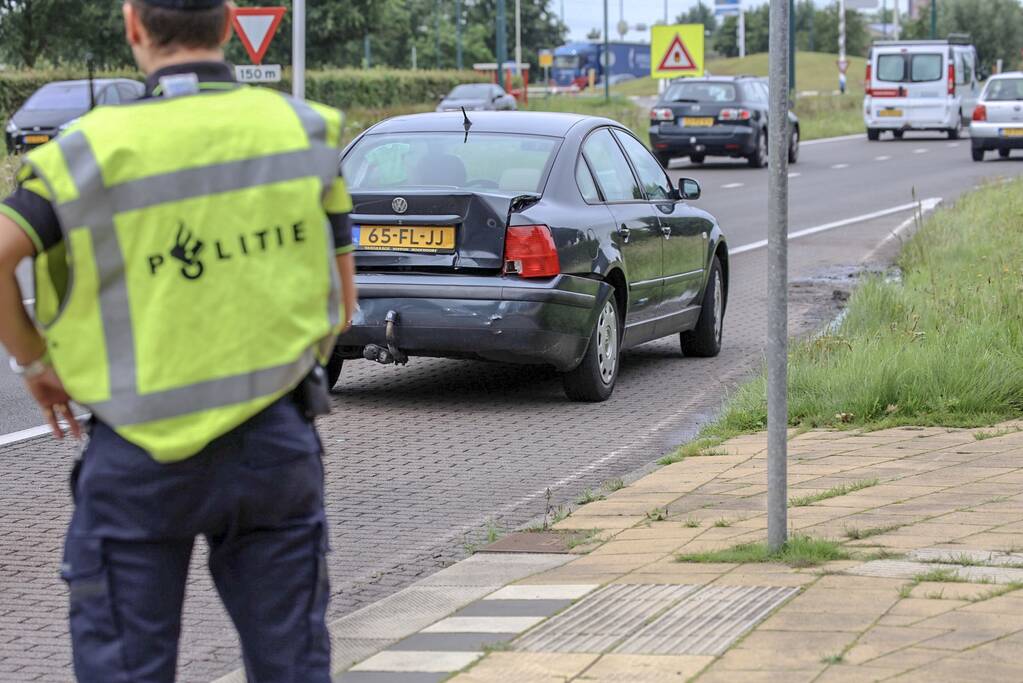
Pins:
x: 423, y: 239
x: 1012, y: 132
x: 36, y: 139
x: 697, y: 121
x: 889, y: 112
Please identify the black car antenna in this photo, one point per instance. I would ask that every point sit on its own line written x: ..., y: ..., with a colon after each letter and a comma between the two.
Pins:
x: 467, y: 124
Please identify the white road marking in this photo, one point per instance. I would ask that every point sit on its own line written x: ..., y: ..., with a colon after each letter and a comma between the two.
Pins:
x: 732, y: 186
x: 926, y: 206
x: 35, y: 432
x: 483, y: 625
x: 952, y: 144
x: 883, y: 157
x: 840, y: 138
x: 839, y: 166
x: 795, y: 175
x: 841, y: 224
x: 415, y: 661
x: 920, y: 150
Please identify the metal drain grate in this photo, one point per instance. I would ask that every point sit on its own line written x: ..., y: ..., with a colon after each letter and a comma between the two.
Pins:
x: 657, y: 619
x: 599, y: 621
x: 707, y: 622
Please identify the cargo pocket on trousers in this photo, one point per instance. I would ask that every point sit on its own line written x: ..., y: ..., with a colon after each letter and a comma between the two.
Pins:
x: 95, y: 633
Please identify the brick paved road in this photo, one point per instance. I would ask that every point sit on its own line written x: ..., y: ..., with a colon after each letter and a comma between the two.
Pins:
x: 419, y: 459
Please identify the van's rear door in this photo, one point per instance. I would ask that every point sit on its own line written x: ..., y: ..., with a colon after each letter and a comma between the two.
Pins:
x: 909, y: 85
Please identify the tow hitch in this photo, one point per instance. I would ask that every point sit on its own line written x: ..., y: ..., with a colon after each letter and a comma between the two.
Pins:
x: 392, y: 354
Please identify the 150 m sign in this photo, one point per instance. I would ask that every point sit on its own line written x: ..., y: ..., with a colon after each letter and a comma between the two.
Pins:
x: 258, y: 73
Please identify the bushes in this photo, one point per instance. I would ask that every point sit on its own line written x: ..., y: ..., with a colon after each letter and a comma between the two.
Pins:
x: 342, y: 88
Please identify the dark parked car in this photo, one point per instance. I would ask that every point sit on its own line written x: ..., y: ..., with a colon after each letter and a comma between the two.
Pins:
x: 530, y: 238
x: 55, y: 105
x: 715, y: 116
x: 477, y: 97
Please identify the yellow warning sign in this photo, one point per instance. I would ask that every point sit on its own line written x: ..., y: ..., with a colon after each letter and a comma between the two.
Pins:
x: 676, y: 50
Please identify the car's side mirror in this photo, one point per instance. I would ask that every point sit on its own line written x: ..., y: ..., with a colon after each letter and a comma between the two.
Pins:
x: 688, y: 189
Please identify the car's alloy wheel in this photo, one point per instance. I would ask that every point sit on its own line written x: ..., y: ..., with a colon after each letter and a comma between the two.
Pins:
x: 705, y: 339
x: 794, y: 146
x: 759, y: 156
x: 594, y: 378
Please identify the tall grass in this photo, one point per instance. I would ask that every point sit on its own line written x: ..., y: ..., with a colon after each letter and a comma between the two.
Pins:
x: 825, y: 116
x: 618, y: 108
x: 942, y: 347
x: 8, y: 167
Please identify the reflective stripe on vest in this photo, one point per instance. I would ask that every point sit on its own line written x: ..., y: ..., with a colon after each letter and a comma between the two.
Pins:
x: 95, y: 209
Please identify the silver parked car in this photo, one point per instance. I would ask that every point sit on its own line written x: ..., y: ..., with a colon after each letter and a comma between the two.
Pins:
x: 998, y: 118
x: 478, y: 97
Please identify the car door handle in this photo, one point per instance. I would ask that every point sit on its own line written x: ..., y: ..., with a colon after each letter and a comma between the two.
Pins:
x: 624, y: 232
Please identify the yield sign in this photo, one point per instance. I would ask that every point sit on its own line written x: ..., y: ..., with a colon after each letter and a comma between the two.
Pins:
x: 677, y: 57
x: 256, y: 27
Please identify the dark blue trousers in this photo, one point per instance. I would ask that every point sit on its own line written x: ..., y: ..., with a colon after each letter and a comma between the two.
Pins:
x: 256, y: 494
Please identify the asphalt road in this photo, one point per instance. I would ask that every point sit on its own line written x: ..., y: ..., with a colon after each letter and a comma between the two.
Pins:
x: 419, y: 460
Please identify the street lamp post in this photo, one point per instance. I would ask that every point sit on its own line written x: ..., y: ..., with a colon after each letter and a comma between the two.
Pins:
x: 298, y: 50
x: 458, y: 34
x: 607, y: 59
x: 777, y: 278
x: 934, y: 19
x: 502, y: 42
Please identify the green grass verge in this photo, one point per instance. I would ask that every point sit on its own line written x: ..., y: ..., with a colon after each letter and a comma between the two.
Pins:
x: 828, y: 116
x: 834, y: 492
x: 940, y: 347
x: 799, y: 551
x: 8, y: 167
x: 618, y: 108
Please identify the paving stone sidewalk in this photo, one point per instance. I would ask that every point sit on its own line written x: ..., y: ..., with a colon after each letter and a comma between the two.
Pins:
x: 929, y: 593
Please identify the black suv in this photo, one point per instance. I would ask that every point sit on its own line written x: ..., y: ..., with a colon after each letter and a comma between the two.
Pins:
x: 716, y: 116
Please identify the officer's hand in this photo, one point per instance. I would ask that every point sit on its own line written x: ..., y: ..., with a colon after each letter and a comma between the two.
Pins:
x: 49, y: 393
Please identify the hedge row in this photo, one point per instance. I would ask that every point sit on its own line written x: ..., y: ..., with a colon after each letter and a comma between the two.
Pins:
x: 342, y: 88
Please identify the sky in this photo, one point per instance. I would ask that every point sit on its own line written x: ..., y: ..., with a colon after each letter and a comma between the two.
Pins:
x: 583, y: 15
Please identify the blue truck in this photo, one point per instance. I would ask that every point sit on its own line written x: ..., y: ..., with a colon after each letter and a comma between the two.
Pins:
x: 573, y: 61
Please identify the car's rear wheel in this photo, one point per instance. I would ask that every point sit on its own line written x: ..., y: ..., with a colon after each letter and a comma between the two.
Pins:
x: 898, y: 134
x: 334, y: 365
x: 759, y: 157
x: 697, y: 158
x: 873, y: 134
x: 794, y: 146
x: 665, y: 159
x: 977, y: 153
x: 956, y: 131
x: 704, y: 340
x: 594, y: 378
x: 1004, y: 153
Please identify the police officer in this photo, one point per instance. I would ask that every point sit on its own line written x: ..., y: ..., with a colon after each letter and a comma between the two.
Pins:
x: 191, y: 255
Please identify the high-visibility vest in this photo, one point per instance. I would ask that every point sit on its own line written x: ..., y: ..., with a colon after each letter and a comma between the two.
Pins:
x: 196, y: 283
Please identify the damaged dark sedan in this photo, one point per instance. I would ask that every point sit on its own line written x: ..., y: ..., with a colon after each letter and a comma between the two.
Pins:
x: 526, y: 237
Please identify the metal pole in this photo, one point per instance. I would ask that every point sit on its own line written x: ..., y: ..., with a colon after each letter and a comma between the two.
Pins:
x: 665, y: 12
x: 741, y: 33
x: 298, y: 50
x: 811, y: 45
x: 502, y: 42
x: 934, y: 19
x: 458, y: 34
x: 436, y: 34
x: 898, y: 22
x: 841, y: 46
x: 607, y: 58
x: 415, y: 65
x: 365, y: 49
x: 884, y: 18
x: 518, y: 37
x: 777, y: 278
x: 792, y: 45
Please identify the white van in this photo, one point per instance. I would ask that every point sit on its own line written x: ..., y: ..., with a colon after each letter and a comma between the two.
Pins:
x: 920, y: 85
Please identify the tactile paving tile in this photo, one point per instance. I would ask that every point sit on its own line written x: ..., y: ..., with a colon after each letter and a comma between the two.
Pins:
x: 903, y: 569
x: 706, y: 622
x: 602, y: 619
x: 991, y: 558
x: 657, y: 619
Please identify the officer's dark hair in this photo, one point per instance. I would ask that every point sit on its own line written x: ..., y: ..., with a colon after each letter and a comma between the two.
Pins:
x: 176, y: 28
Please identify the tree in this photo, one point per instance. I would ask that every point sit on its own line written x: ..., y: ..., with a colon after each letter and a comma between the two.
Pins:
x: 995, y: 27
x: 699, y: 14
x: 27, y: 27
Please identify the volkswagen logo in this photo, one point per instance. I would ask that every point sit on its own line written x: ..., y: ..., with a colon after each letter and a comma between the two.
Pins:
x: 399, y: 204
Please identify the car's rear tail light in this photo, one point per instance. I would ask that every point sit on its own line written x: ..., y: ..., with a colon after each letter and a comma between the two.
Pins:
x: 735, y: 115
x: 886, y: 92
x: 951, y: 79
x: 980, y: 113
x: 529, y: 251
x: 662, y: 114
x: 866, y: 80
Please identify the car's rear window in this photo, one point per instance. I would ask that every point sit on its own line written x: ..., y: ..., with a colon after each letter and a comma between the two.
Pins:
x: 701, y: 91
x: 496, y: 162
x: 902, y: 68
x: 1004, y: 90
x: 470, y: 91
x: 56, y: 96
